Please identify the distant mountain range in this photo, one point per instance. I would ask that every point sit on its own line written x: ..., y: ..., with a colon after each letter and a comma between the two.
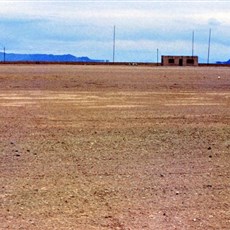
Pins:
x: 12, y: 57
x: 225, y: 62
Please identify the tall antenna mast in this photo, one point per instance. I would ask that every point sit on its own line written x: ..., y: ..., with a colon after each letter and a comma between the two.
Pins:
x: 114, y: 38
x: 157, y: 55
x: 4, y: 55
x: 192, y: 43
x: 209, y: 42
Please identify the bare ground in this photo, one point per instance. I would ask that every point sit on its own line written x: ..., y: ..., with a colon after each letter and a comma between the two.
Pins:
x: 103, y: 147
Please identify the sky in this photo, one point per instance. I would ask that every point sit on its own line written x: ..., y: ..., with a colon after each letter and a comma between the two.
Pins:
x: 85, y: 28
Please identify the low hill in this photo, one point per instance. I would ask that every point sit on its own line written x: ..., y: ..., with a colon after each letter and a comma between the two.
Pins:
x: 44, y: 58
x: 226, y: 62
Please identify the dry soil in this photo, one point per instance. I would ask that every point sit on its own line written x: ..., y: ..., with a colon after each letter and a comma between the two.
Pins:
x: 114, y: 147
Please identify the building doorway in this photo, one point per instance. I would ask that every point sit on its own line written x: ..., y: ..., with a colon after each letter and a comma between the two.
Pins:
x: 180, y: 62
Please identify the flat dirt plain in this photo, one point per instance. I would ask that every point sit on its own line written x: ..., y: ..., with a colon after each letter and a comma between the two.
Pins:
x: 114, y: 147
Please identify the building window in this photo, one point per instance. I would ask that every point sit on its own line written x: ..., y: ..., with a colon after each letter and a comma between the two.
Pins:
x: 190, y: 61
x: 171, y: 61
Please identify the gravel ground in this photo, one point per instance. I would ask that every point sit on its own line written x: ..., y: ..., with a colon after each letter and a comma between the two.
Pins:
x: 112, y: 147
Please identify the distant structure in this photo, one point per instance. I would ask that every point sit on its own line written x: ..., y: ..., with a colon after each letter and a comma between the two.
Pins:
x: 114, y: 42
x: 209, y: 43
x: 4, y: 54
x: 179, y: 60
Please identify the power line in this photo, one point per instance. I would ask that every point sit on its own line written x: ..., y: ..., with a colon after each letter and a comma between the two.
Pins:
x: 114, y: 42
x: 4, y: 55
x: 192, y: 43
x: 209, y: 43
x: 157, y: 55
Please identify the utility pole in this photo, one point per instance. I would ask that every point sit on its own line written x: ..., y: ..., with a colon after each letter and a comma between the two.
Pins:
x: 157, y: 55
x: 192, y: 43
x: 4, y: 55
x: 209, y: 43
x: 114, y: 40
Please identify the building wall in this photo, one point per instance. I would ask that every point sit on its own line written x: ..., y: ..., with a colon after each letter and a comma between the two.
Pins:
x: 179, y: 60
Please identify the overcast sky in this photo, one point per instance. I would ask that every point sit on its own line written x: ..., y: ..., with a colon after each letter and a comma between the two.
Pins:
x: 85, y: 28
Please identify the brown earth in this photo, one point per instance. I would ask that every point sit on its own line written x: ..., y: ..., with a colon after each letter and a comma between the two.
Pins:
x: 111, y: 147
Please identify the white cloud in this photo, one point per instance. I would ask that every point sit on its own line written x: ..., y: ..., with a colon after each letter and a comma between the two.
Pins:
x: 141, y: 26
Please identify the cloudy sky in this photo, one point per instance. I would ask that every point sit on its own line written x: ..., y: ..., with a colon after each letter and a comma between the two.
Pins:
x: 85, y: 28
